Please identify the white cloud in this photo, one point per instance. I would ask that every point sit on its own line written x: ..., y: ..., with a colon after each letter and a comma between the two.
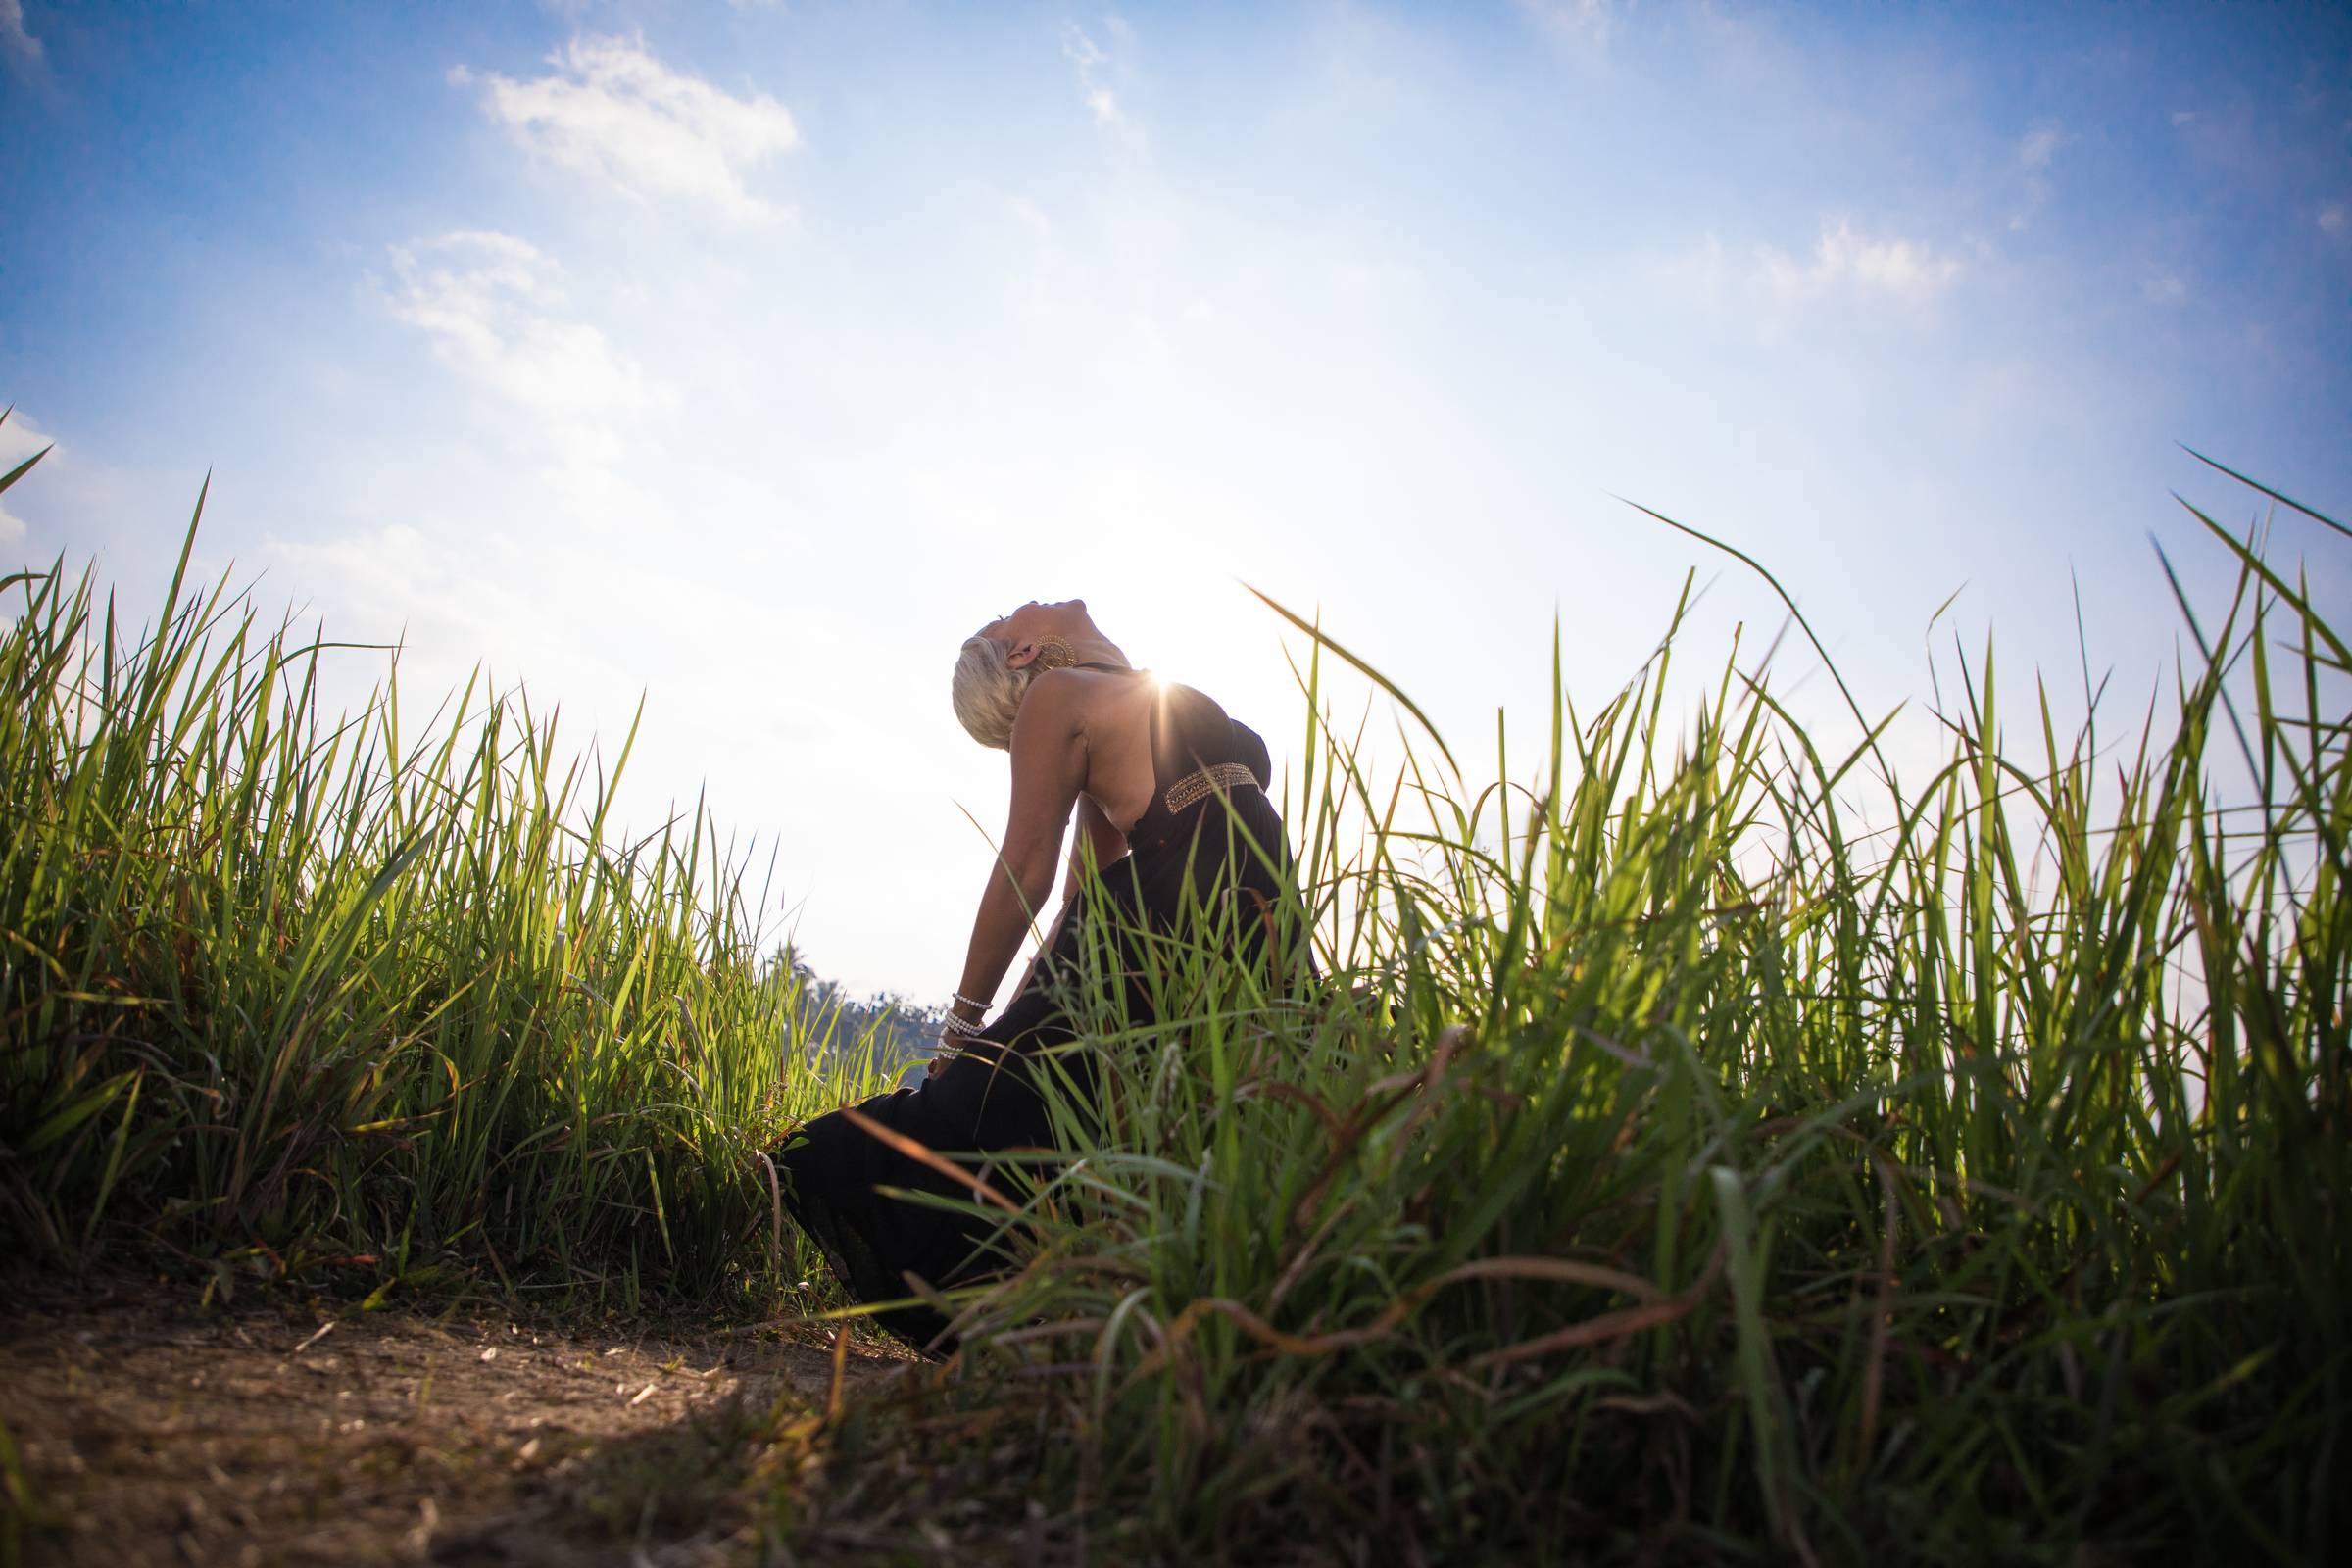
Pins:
x: 20, y: 438
x: 2034, y: 151
x: 22, y: 47
x: 495, y: 311
x: 1093, y: 64
x: 2333, y: 218
x: 1769, y: 292
x: 2164, y: 288
x: 1843, y: 259
x: 1574, y: 23
x: 2181, y: 117
x: 613, y: 112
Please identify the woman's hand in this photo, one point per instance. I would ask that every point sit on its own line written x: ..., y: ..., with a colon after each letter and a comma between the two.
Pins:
x: 951, y: 1040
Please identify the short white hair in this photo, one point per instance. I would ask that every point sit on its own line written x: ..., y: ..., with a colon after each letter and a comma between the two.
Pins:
x: 988, y: 692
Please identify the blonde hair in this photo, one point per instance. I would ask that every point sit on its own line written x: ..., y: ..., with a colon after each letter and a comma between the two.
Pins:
x: 988, y: 692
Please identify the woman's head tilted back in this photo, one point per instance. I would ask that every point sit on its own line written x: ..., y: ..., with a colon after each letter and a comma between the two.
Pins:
x: 994, y: 670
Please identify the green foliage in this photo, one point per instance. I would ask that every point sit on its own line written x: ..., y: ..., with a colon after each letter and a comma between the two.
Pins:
x: 1654, y: 1165
x: 1668, y: 1168
x: 283, y: 989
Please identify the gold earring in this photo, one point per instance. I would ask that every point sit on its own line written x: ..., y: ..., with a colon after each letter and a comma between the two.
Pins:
x: 1053, y: 654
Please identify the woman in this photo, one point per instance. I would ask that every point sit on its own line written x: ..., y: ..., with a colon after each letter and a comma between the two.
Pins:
x: 1174, y: 821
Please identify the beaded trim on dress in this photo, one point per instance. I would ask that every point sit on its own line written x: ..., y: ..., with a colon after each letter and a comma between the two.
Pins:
x: 1197, y: 786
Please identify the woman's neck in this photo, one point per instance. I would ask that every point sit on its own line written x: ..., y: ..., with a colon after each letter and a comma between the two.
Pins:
x: 1098, y: 650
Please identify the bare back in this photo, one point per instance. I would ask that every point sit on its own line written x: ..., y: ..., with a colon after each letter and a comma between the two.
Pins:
x: 1114, y: 715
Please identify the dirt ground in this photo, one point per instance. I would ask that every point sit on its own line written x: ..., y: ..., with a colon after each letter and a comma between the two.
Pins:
x: 153, y: 1430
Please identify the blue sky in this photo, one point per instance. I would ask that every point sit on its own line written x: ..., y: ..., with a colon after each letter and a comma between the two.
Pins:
x: 747, y: 356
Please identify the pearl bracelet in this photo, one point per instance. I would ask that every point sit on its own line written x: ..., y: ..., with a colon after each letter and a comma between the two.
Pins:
x: 958, y: 1026
x: 970, y: 1002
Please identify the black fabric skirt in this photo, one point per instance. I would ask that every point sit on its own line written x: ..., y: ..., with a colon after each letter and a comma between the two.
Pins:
x: 986, y: 1099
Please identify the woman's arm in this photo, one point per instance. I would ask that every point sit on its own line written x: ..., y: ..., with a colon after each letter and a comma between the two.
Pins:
x: 1097, y: 841
x: 1049, y: 768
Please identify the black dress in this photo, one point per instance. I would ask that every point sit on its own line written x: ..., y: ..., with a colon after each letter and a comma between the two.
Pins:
x: 1205, y: 861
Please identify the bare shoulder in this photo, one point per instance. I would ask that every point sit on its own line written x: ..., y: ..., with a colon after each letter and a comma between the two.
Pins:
x: 1057, y: 701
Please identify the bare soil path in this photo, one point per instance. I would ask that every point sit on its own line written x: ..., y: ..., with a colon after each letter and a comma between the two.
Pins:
x: 156, y: 1431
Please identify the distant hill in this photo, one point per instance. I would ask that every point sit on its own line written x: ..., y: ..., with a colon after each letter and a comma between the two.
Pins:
x: 838, y: 1024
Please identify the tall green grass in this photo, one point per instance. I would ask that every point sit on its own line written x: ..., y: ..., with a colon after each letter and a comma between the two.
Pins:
x: 284, y: 990
x: 1670, y: 1169
x: 1659, y: 1162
